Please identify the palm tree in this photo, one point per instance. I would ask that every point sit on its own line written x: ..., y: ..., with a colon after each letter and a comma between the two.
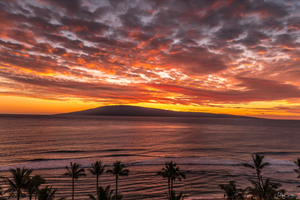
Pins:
x: 103, y: 194
x: 231, y: 192
x: 74, y: 172
x: 1, y: 198
x: 298, y: 165
x: 165, y: 174
x: 47, y: 194
x: 173, y: 196
x: 297, y: 170
x: 19, y: 182
x: 176, y: 174
x: 97, y: 170
x: 258, y: 166
x: 118, y: 170
x: 171, y: 172
x: 33, y: 185
x: 266, y: 191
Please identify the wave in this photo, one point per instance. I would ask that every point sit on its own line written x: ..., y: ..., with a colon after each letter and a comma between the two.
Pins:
x: 277, y: 152
x: 42, y: 159
x: 61, y: 163
x: 211, y: 196
x: 187, y: 161
x: 112, y: 150
x: 74, y: 151
x: 281, y: 166
x: 278, y: 162
x: 78, y: 151
x: 37, y: 164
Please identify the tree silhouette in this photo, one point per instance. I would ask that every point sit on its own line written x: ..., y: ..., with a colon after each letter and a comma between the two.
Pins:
x: 18, y: 183
x: 165, y: 174
x: 171, y: 172
x: 231, y: 192
x: 97, y: 170
x: 33, y: 185
x: 103, y: 194
x: 74, y: 172
x: 262, y: 190
x: 1, y: 197
x: 47, y: 194
x: 173, y: 196
x: 258, y: 166
x: 118, y: 170
x: 298, y: 169
x: 266, y: 191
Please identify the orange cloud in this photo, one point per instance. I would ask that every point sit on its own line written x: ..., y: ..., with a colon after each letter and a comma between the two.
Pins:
x: 225, y: 52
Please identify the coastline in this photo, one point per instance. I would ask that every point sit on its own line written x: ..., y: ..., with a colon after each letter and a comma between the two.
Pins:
x: 205, y: 198
x: 213, y: 198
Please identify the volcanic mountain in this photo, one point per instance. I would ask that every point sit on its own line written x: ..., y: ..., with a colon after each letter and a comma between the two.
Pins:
x: 122, y: 110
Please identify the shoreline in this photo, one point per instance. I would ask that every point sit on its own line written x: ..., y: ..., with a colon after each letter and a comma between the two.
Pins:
x: 205, y: 198
x: 212, y: 198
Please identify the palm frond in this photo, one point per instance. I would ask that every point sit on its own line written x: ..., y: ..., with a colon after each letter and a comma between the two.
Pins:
x: 110, y: 171
x: 249, y: 166
x: 124, y: 172
x: 264, y: 165
x: 92, y: 197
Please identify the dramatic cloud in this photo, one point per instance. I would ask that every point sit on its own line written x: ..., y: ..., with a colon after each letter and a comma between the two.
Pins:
x: 200, y: 53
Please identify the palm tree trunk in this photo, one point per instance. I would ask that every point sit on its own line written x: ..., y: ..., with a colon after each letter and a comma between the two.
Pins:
x: 169, y: 187
x: 30, y: 196
x: 97, y: 185
x: 18, y: 195
x: 117, y: 186
x: 72, y: 188
x: 259, y: 179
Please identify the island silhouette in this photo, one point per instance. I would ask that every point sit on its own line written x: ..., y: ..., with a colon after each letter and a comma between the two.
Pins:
x: 125, y: 110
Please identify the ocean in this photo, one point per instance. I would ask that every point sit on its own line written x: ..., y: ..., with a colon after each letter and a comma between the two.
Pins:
x: 210, y: 151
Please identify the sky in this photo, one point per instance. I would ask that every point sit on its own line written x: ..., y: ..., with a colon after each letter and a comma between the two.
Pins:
x: 237, y: 57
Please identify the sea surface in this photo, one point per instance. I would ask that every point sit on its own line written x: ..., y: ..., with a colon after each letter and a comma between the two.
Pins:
x: 210, y: 151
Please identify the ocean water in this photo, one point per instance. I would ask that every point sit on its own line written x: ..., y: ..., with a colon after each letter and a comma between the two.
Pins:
x: 210, y: 151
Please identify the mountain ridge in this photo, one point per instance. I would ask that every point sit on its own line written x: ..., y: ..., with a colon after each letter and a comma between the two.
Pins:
x: 126, y: 110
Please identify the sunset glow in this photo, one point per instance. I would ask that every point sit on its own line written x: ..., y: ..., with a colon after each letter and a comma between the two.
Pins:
x: 234, y: 57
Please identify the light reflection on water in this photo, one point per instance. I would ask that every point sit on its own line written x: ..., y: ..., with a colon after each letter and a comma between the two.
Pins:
x: 210, y: 151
